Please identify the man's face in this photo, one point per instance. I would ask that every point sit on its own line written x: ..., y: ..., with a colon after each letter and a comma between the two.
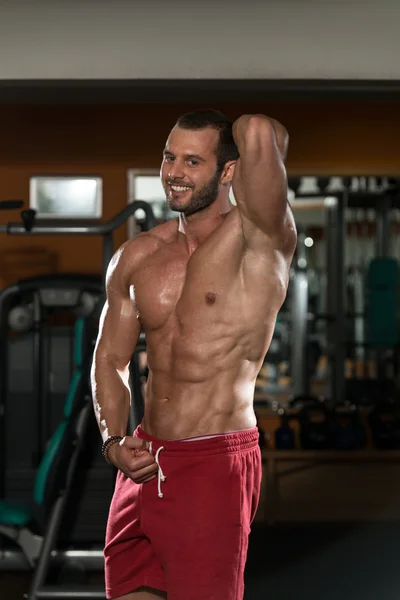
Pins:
x: 189, y: 170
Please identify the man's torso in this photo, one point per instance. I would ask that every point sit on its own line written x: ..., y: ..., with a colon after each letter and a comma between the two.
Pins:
x: 208, y: 319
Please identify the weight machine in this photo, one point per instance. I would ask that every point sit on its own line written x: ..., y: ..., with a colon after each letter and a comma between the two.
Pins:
x: 29, y: 226
x: 64, y: 291
x: 336, y: 312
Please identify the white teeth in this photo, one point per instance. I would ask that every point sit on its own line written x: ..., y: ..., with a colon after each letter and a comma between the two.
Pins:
x: 179, y: 188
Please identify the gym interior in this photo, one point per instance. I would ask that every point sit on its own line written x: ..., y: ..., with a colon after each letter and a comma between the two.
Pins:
x: 79, y: 173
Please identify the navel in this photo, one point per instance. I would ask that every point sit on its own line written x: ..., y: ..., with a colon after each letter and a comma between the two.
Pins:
x: 210, y: 298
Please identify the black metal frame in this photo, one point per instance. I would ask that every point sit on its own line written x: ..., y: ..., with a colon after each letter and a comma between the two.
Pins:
x: 38, y: 588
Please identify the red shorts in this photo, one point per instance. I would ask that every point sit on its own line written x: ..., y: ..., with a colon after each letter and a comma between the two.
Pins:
x: 192, y: 542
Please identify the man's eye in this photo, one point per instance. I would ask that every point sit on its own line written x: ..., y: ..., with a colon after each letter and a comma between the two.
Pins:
x: 169, y: 158
x: 193, y: 162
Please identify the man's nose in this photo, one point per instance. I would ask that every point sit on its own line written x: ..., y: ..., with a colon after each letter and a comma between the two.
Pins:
x: 176, y: 171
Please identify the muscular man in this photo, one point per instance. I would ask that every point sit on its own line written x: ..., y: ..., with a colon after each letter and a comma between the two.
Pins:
x: 206, y: 289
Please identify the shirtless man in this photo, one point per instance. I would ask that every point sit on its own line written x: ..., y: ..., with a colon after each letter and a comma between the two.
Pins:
x: 206, y: 289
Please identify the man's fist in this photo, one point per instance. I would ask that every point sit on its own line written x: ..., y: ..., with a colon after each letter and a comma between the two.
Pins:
x: 131, y: 456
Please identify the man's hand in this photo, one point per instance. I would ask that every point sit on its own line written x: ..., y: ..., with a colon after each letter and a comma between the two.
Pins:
x: 131, y: 456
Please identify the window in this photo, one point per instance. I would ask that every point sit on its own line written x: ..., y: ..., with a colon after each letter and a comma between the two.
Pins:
x: 66, y: 197
x: 145, y: 184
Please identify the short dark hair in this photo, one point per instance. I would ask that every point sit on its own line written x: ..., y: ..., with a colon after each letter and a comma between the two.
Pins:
x: 226, y: 149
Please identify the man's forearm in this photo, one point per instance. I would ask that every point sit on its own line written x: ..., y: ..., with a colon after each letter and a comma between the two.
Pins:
x: 242, y: 124
x: 111, y: 398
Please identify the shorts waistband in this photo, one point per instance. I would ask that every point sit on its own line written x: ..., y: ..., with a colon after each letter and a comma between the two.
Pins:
x: 225, y: 443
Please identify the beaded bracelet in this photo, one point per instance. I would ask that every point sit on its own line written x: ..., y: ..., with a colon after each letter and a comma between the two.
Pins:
x: 110, y: 441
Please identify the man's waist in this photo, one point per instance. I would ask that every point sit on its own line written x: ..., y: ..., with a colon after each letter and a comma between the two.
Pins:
x: 216, y: 443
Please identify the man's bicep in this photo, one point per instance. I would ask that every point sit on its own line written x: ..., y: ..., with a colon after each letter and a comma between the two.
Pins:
x: 119, y: 329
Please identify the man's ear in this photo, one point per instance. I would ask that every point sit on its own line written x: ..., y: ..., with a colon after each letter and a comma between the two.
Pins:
x: 228, y: 172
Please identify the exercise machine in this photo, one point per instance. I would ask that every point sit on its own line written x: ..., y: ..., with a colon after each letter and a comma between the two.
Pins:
x: 35, y: 525
x: 30, y: 226
x: 36, y: 368
x: 60, y: 292
x: 84, y: 297
x: 352, y: 328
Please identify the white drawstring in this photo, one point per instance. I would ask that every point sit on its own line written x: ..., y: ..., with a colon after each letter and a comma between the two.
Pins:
x: 161, y: 476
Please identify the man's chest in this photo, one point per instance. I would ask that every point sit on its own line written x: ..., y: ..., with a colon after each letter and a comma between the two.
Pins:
x: 173, y: 287
x: 218, y: 285
x: 180, y: 292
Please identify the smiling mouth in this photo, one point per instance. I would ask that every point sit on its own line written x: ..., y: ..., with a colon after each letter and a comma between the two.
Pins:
x: 179, y: 189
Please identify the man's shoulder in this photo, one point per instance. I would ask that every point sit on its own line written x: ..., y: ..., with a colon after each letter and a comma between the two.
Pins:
x: 149, y: 241
x: 133, y: 253
x: 165, y: 232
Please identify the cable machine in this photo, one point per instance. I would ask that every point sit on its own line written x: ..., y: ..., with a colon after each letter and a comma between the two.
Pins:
x: 46, y: 292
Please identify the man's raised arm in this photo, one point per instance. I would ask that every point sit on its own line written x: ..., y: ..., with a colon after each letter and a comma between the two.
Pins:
x: 260, y: 183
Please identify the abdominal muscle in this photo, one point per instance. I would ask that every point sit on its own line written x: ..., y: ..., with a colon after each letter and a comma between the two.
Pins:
x: 201, y: 397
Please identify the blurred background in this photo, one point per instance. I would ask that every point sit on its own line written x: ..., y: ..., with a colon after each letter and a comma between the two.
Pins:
x: 88, y: 95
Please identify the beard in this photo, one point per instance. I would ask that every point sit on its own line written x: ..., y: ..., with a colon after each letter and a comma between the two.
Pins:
x: 199, y: 200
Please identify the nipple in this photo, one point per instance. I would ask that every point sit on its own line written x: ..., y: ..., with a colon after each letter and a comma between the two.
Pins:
x: 210, y: 298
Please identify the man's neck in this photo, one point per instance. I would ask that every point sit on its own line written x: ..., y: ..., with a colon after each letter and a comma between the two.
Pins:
x: 194, y: 230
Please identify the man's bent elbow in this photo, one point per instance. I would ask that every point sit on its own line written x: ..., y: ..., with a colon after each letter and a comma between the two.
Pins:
x: 263, y: 133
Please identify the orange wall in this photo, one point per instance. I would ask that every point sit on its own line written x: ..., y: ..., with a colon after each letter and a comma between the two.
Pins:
x: 107, y: 140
